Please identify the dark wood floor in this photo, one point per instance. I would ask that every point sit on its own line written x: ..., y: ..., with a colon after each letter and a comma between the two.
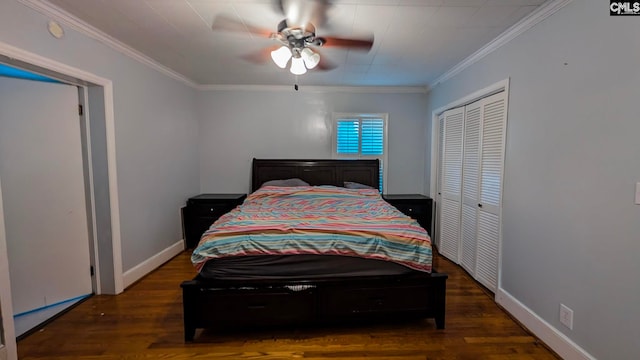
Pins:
x: 145, y: 322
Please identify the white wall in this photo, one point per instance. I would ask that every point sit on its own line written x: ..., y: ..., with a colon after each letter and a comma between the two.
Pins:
x: 571, y: 231
x: 237, y: 126
x: 155, y: 130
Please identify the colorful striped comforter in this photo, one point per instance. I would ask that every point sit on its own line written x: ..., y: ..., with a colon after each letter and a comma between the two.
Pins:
x: 317, y: 220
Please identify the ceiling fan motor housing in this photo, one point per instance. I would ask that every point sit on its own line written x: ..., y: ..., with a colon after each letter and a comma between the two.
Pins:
x: 298, y: 37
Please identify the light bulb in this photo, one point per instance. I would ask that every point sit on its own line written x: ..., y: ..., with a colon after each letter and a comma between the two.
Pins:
x: 310, y: 58
x: 297, y: 66
x: 281, y: 56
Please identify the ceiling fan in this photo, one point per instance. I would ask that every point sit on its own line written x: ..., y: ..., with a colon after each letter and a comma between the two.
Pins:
x: 296, y: 40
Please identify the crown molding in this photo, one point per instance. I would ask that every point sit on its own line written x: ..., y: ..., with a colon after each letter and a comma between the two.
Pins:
x: 544, y: 11
x: 73, y: 22
x: 320, y: 89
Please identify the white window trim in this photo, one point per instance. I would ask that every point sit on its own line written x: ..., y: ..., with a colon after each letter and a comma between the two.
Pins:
x: 385, y: 153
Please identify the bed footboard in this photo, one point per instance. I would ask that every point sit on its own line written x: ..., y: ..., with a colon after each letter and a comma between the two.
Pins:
x: 217, y: 304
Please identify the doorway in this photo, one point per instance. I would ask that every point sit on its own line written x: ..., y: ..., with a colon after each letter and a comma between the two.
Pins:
x: 105, y: 237
x: 45, y: 205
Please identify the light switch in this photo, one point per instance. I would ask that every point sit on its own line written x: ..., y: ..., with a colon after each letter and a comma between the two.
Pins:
x: 638, y: 193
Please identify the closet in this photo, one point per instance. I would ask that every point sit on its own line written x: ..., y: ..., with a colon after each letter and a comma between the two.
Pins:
x: 470, y: 172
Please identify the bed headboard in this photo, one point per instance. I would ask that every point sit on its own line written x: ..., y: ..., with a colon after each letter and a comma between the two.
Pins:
x: 316, y: 172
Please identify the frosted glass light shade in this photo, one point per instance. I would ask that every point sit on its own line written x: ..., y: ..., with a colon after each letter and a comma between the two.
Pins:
x: 310, y: 58
x: 297, y: 66
x: 281, y: 56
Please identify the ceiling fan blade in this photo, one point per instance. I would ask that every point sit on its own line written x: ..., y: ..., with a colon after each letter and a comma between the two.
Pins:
x: 302, y: 12
x: 324, y: 64
x: 356, y: 44
x: 261, y: 56
x: 226, y: 23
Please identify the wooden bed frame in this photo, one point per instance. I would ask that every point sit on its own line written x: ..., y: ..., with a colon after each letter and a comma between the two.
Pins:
x: 224, y: 303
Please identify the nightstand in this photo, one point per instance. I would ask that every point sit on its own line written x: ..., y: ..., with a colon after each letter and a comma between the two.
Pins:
x: 203, y: 210
x: 414, y: 205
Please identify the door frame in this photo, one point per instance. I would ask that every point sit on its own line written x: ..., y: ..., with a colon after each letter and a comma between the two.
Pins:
x: 113, y: 271
x: 6, y: 306
x: 502, y: 85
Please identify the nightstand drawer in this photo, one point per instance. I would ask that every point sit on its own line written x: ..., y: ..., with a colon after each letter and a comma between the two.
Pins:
x: 211, y: 209
x: 412, y: 210
x: 203, y: 210
x: 414, y: 205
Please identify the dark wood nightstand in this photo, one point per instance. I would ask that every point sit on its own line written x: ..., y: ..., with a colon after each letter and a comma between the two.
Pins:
x: 416, y: 206
x: 203, y: 210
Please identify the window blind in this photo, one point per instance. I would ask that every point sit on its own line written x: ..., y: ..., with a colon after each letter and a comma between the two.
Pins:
x: 361, y: 136
x: 348, y: 136
x: 372, y: 137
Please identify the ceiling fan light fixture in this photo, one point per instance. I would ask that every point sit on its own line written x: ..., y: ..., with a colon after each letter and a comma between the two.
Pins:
x: 281, y: 56
x: 311, y: 59
x: 297, y: 66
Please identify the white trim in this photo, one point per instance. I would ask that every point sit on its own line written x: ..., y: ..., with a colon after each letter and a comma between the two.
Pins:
x: 41, y: 61
x: 64, y: 17
x: 502, y: 177
x: 3, y: 352
x: 319, y: 89
x: 6, y: 305
x: 147, y: 266
x: 95, y: 259
x: 435, y: 143
x: 114, y: 200
x: 476, y: 95
x: 31, y: 58
x: 544, y: 11
x: 551, y: 336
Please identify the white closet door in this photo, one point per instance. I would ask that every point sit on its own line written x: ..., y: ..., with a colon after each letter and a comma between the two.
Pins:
x: 451, y: 183
x: 43, y: 193
x: 470, y: 184
x: 494, y: 116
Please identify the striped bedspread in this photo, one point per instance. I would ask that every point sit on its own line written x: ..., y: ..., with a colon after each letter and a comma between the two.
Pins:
x: 317, y: 220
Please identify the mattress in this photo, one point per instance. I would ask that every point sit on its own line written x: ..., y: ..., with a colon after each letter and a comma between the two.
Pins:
x: 315, y: 220
x: 297, y: 267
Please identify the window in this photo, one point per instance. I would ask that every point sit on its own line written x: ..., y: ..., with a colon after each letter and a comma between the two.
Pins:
x: 362, y: 136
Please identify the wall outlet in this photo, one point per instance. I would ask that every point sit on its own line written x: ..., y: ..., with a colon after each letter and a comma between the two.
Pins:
x: 638, y: 193
x: 566, y: 316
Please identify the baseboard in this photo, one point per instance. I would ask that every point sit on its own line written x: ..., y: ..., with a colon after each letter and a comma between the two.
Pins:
x: 551, y: 336
x: 142, y: 269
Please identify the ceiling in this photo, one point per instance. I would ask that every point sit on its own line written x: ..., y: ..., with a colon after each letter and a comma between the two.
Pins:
x: 416, y: 41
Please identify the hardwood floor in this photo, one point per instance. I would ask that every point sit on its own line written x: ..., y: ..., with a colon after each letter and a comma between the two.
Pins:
x: 145, y: 322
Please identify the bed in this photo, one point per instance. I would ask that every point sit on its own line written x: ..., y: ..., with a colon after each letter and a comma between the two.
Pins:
x: 238, y: 286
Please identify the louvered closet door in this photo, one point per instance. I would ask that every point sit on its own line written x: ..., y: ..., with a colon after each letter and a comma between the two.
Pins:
x: 451, y: 183
x: 491, y: 172
x: 470, y: 184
